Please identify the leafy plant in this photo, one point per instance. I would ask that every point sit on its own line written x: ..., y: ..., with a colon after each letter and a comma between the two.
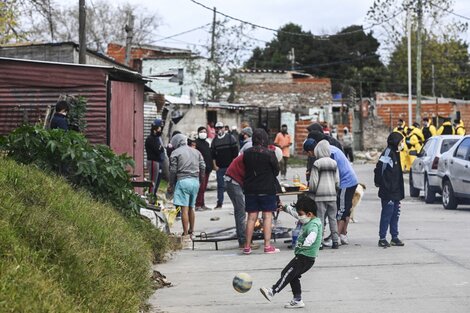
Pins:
x: 77, y: 113
x: 93, y: 167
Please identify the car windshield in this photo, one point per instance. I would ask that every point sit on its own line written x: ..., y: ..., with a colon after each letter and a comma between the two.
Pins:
x: 447, y: 144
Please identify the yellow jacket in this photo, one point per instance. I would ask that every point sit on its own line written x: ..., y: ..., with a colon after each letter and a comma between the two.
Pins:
x: 415, y: 139
x: 460, y: 129
x: 441, y: 129
x: 431, y: 128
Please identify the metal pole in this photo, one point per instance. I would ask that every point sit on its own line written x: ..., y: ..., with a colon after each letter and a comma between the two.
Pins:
x: 418, y: 61
x: 213, y: 35
x: 433, y: 82
x: 81, y: 32
x: 410, y: 95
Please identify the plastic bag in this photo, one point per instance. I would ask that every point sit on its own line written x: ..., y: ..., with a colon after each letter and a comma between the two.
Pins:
x: 170, y: 214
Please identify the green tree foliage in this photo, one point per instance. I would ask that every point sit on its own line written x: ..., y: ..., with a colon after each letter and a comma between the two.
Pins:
x: 347, y: 58
x: 451, y: 67
x: 93, y: 167
x: 9, y: 21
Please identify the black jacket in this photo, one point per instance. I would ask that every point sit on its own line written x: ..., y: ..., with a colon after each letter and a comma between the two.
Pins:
x: 154, y: 148
x: 261, y: 169
x: 59, y: 121
x: 388, y: 175
x: 205, y: 149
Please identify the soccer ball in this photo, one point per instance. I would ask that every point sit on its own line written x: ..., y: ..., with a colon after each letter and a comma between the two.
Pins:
x: 242, y: 282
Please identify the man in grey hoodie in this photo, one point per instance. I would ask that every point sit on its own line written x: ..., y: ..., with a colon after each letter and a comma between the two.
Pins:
x: 187, y: 169
x: 324, y: 183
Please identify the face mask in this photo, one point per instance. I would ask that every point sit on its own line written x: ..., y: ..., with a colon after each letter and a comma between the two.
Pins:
x: 401, y: 145
x: 158, y: 133
x: 202, y: 136
x: 221, y: 133
x: 225, y: 131
x: 284, y: 130
x: 304, y: 219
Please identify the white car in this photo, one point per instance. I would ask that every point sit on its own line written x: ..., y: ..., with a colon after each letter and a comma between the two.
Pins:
x: 454, y: 171
x: 423, y: 172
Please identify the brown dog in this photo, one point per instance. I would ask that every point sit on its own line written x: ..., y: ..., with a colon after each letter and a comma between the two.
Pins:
x: 357, y: 199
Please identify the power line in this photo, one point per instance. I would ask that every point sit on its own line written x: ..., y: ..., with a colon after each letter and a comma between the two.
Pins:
x: 185, y: 32
x: 450, y: 12
x: 318, y: 37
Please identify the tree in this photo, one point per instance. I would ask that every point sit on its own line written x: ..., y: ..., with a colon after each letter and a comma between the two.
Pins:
x: 451, y: 67
x: 342, y: 57
x: 45, y: 20
x: 9, y: 22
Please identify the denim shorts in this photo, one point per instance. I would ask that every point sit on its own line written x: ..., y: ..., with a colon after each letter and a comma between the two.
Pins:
x: 264, y: 203
x: 186, y: 191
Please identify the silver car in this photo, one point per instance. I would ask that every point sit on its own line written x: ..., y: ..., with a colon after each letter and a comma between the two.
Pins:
x: 423, y: 173
x: 454, y: 171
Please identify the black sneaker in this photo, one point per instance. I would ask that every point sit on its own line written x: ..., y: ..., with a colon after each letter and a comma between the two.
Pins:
x: 335, y: 245
x: 383, y: 243
x: 396, y: 242
x: 321, y: 246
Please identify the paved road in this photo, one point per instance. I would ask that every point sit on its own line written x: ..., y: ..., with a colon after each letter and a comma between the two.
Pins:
x: 431, y: 273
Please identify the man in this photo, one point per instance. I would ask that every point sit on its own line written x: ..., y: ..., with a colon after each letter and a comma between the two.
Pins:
x: 224, y: 149
x: 187, y: 168
x: 347, y: 142
x: 428, y: 129
x: 247, y: 142
x: 414, y: 142
x: 59, y: 120
x: 283, y: 140
x: 459, y: 127
x: 203, y: 146
x: 446, y: 128
x: 388, y: 176
x: 155, y: 156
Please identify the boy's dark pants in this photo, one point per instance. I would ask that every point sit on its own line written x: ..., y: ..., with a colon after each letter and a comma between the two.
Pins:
x: 292, y: 273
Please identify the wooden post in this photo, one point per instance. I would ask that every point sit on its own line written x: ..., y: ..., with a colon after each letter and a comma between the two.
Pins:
x: 81, y: 32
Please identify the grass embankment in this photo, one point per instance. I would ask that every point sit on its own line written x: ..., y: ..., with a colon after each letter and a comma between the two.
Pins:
x: 61, y: 251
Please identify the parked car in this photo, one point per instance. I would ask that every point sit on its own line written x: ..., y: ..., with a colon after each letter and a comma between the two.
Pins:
x: 423, y: 172
x: 454, y: 171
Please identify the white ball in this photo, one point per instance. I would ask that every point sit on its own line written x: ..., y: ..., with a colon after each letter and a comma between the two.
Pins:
x: 242, y: 282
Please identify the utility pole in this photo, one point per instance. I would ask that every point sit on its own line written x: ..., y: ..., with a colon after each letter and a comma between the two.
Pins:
x: 361, y: 118
x: 410, y: 90
x: 418, y: 61
x: 291, y: 57
x: 213, y: 35
x: 130, y: 35
x: 433, y: 82
x: 81, y: 32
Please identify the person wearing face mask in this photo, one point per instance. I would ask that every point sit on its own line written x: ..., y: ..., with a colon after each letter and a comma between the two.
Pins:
x: 347, y: 142
x: 224, y: 150
x: 59, y: 120
x: 428, y: 129
x: 283, y: 140
x: 247, y: 142
x: 203, y: 146
x: 155, y: 155
x: 388, y: 177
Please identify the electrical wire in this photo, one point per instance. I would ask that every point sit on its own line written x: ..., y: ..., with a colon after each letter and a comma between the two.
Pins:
x: 185, y: 32
x: 317, y: 37
x: 450, y: 12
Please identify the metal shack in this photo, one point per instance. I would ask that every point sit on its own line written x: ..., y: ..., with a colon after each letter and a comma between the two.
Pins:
x: 115, y: 98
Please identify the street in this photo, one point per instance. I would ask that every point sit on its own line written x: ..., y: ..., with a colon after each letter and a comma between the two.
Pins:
x: 431, y: 273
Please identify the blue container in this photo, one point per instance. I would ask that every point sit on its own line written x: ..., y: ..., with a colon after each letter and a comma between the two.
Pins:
x: 295, y: 234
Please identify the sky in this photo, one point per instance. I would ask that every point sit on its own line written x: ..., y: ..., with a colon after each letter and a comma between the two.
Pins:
x: 318, y: 16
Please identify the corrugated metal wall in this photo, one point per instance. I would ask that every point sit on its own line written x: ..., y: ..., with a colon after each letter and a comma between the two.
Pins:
x: 28, y: 88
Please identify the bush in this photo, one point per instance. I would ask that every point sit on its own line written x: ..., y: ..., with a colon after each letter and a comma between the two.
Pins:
x: 68, y: 153
x: 61, y: 251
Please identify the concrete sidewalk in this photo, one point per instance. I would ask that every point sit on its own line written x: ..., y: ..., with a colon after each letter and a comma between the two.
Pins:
x: 430, y: 274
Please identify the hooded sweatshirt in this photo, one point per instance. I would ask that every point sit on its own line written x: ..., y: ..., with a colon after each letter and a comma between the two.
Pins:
x: 324, y: 179
x: 185, y: 162
x: 388, y: 175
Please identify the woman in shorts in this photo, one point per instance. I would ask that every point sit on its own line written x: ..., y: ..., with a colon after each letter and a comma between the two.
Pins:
x: 261, y: 169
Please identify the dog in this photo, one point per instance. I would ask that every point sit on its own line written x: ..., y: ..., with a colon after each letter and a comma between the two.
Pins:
x: 356, y: 200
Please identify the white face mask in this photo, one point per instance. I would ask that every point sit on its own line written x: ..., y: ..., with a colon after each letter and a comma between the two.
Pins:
x: 304, y: 219
x: 401, y: 145
x: 221, y: 133
x: 202, y: 136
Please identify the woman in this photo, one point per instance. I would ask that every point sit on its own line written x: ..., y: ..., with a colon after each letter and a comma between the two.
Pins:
x: 155, y: 155
x: 261, y: 169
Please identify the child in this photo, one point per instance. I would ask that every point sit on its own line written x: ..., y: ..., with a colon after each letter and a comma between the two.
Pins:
x: 324, y: 181
x: 306, y: 250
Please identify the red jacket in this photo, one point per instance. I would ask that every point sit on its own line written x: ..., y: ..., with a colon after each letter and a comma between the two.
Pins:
x: 236, y: 170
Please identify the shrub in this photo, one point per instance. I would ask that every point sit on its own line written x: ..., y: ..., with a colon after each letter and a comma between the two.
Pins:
x: 68, y: 153
x: 61, y: 251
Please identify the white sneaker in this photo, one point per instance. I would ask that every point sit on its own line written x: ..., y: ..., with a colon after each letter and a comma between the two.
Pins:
x: 344, y: 239
x: 294, y: 304
x: 187, y: 242
x: 267, y: 293
x: 328, y: 242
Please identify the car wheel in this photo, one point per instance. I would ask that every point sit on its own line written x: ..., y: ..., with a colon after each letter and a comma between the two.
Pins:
x: 429, y: 194
x: 448, y: 199
x: 414, y: 192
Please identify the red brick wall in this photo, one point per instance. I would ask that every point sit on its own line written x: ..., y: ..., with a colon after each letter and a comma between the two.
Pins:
x: 300, y: 136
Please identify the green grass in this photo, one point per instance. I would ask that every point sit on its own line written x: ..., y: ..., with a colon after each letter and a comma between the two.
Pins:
x: 297, y: 161
x: 62, y: 251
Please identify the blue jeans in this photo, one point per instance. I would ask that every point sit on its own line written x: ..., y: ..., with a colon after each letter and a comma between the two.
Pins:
x: 389, y: 216
x: 220, y: 185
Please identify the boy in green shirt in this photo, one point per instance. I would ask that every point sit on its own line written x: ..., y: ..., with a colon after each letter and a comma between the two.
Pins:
x: 306, y: 250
